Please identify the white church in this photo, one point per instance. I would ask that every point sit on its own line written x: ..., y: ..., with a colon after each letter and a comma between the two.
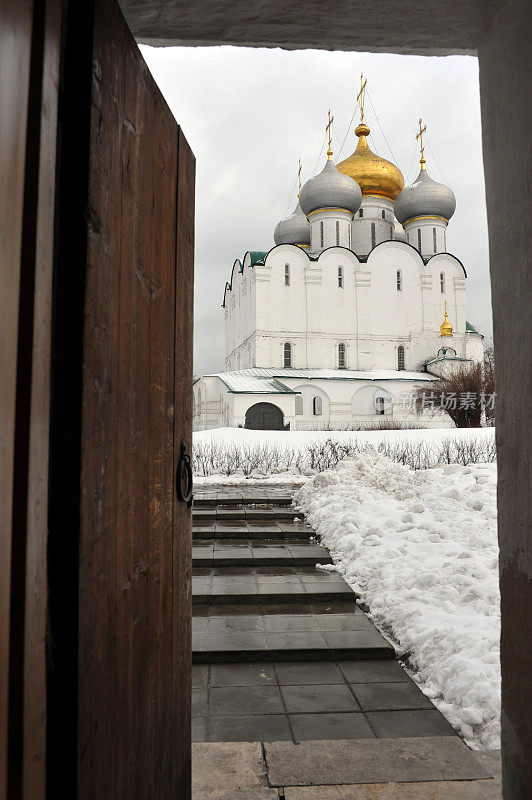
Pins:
x: 356, y: 306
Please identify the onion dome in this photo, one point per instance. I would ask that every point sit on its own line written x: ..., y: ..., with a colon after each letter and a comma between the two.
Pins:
x: 399, y: 233
x: 446, y: 329
x: 425, y: 198
x: 374, y: 175
x: 330, y: 189
x: 295, y: 229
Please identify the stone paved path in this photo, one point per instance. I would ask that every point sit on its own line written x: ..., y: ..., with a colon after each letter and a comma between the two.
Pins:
x: 281, y: 652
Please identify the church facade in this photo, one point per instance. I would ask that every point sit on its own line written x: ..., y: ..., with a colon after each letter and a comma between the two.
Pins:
x: 341, y: 321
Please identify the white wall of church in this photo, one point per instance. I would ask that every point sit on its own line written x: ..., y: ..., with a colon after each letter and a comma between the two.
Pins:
x: 374, y: 307
x: 317, y: 403
x: 372, y: 224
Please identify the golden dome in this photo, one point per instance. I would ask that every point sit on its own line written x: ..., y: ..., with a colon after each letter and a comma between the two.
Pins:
x: 446, y: 329
x: 373, y: 174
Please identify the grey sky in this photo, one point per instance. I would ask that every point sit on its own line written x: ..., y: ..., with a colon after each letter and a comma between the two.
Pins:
x: 250, y: 114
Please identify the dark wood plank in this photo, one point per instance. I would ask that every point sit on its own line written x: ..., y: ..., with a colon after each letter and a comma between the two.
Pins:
x: 36, y: 605
x: 183, y: 434
x: 15, y: 54
x: 160, y: 158
x: 101, y: 462
x: 29, y: 61
x: 134, y: 670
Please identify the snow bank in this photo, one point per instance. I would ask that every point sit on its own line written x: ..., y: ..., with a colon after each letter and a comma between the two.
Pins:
x: 420, y: 549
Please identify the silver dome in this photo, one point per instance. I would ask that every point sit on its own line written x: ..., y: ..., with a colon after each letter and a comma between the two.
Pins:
x: 425, y: 198
x: 330, y: 189
x: 295, y: 229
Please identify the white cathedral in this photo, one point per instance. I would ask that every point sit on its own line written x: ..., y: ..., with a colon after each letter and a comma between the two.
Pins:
x: 341, y: 321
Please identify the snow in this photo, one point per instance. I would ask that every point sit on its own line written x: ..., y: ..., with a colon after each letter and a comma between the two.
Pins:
x: 420, y: 550
x: 289, y: 439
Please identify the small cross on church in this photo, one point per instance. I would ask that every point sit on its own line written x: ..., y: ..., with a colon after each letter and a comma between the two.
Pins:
x: 361, y: 95
x: 328, y: 130
x: 419, y: 136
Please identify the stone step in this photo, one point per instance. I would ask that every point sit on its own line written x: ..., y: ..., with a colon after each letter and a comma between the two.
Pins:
x: 286, y: 637
x: 247, y: 552
x: 265, y: 513
x: 267, y: 585
x: 251, y: 529
x: 207, y: 501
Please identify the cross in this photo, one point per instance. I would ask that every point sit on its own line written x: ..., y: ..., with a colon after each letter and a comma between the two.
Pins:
x: 328, y: 129
x: 419, y: 136
x: 299, y: 179
x: 360, y: 95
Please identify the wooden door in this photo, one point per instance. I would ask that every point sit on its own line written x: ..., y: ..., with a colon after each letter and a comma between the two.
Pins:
x: 120, y: 567
x: 96, y: 257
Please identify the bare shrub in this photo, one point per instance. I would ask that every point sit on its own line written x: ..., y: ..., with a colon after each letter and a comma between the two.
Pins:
x: 264, y: 458
x: 463, y: 395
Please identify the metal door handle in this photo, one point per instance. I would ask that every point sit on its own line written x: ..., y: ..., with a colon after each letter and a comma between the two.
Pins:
x: 184, y: 477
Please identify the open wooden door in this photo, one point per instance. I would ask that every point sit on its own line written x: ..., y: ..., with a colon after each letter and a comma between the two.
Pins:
x: 120, y: 417
x: 96, y: 344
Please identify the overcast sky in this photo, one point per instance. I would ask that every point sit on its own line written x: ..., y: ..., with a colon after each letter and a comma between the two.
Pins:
x: 249, y: 114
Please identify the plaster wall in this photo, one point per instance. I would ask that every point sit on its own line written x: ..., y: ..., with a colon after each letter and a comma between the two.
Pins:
x: 428, y: 228
x: 330, y: 218
x: 367, y: 313
x: 372, y: 208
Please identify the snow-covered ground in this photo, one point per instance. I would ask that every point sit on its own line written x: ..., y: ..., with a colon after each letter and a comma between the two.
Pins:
x: 237, y: 455
x: 420, y: 549
x: 289, y: 439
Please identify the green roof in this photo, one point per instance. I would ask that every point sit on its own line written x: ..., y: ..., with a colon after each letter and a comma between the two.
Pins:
x: 257, y: 256
x: 470, y: 327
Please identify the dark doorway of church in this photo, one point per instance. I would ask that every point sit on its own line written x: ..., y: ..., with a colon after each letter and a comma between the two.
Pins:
x: 264, y: 417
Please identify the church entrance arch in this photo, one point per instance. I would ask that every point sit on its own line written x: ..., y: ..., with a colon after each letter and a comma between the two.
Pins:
x: 264, y: 417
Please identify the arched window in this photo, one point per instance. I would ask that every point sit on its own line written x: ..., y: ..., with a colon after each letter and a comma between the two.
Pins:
x: 341, y: 356
x: 434, y: 240
x: 379, y: 405
x: 419, y: 239
x: 287, y: 274
x: 383, y: 214
x: 299, y: 404
x: 321, y: 233
x: 400, y: 357
x: 361, y: 212
x: 442, y: 282
x: 349, y: 235
x: 373, y: 239
x: 341, y: 277
x: 337, y: 232
x: 399, y: 280
x: 287, y: 361
x: 317, y: 406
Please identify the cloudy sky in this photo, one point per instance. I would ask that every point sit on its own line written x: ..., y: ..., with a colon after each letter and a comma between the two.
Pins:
x: 249, y: 114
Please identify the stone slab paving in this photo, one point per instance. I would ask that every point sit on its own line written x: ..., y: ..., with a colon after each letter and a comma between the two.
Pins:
x: 265, y: 530
x: 253, y: 553
x: 435, y: 769
x: 437, y: 758
x: 301, y: 701
x: 295, y: 693
x: 280, y: 584
x: 256, y: 637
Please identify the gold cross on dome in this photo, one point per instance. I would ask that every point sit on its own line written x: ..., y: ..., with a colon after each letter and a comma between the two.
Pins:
x: 419, y: 136
x: 361, y: 94
x: 299, y: 179
x: 328, y: 129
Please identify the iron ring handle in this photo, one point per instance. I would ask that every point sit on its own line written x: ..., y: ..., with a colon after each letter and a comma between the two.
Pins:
x: 184, y: 477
